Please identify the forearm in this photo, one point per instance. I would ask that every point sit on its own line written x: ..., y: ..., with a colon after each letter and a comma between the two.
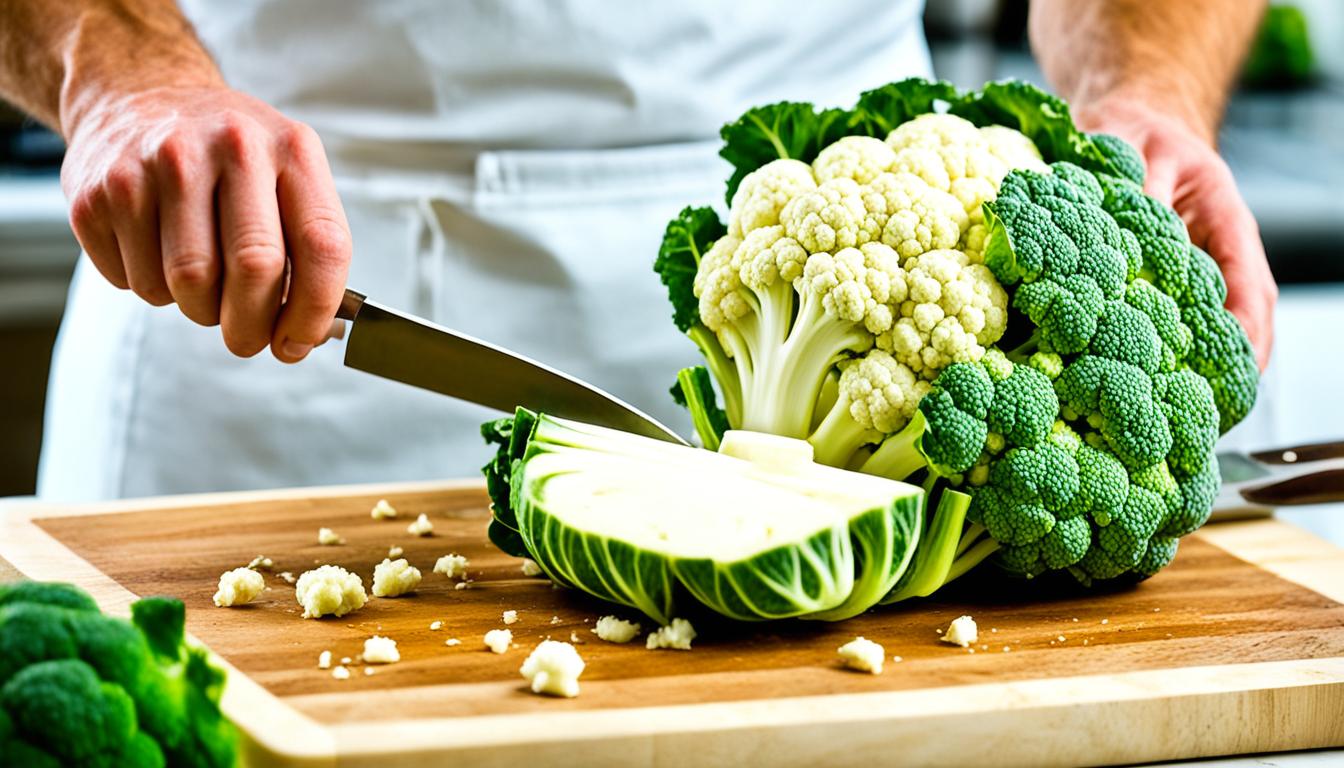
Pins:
x: 60, y: 59
x: 1178, y: 57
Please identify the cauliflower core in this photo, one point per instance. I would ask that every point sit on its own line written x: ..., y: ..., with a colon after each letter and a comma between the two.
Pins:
x: 675, y: 636
x: 238, y: 587
x: 392, y: 578
x: 329, y: 590
x: 616, y: 630
x: 553, y: 668
x: 862, y: 654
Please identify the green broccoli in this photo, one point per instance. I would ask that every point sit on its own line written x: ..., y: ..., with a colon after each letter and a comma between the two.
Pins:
x: 80, y: 687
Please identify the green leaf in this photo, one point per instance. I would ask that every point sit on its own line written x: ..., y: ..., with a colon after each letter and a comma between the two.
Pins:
x: 785, y: 130
x: 1042, y: 117
x: 880, y: 110
x: 686, y: 238
x: 694, y: 391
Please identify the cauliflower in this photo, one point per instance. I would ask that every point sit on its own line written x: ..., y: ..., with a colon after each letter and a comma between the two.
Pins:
x: 498, y: 640
x: 616, y: 630
x: 381, y: 650
x: 421, y: 527
x: 392, y: 578
x: 452, y: 566
x: 383, y: 510
x: 329, y: 590
x: 529, y: 567
x: 863, y: 655
x: 676, y: 636
x: 954, y: 309
x: 553, y: 668
x: 239, y: 586
x: 324, y: 660
x: 858, y: 158
x: 911, y: 216
x: 510, y: 617
x: 830, y: 217
x: 329, y: 538
x: 962, y: 631
x: 764, y: 192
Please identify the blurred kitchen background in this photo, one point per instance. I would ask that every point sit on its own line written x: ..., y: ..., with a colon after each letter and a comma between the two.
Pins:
x: 1283, y: 137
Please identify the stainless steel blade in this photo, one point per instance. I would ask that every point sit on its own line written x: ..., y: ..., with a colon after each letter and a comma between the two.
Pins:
x: 405, y: 348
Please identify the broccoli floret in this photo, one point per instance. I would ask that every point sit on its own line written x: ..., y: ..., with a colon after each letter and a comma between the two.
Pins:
x: 1124, y: 160
x: 1163, y: 312
x: 1222, y: 354
x: 1187, y: 401
x: 79, y: 687
x: 1117, y: 400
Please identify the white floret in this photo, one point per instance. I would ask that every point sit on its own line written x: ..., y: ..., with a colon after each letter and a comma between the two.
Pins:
x: 862, y: 654
x: 911, y: 216
x: 829, y: 218
x: 341, y: 673
x: 261, y: 563
x: 452, y: 566
x: 676, y: 636
x: 421, y: 527
x: 510, y: 617
x: 616, y: 630
x: 553, y: 668
x: 329, y: 590
x: 858, y: 158
x: 381, y: 650
x: 883, y: 393
x: 394, y: 551
x: 953, y: 312
x: 238, y: 587
x: 962, y: 631
x: 767, y: 259
x: 499, y: 640
x: 324, y: 660
x: 718, y: 286
x: 392, y: 578
x: 383, y: 510
x: 764, y: 192
x: 329, y: 538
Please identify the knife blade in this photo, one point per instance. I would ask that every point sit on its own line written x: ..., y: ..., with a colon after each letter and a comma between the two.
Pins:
x: 1254, y: 484
x: 408, y: 349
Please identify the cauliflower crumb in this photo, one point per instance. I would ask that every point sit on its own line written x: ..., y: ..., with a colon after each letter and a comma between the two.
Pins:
x: 530, y: 568
x: 288, y: 577
x: 452, y: 566
x: 238, y: 586
x: 381, y: 650
x: 555, y: 619
x: 392, y: 578
x: 510, y: 617
x: 498, y: 640
x: 677, y: 636
x: 421, y: 526
x: 393, y: 552
x: 452, y: 641
x: 435, y: 625
x: 616, y: 630
x: 347, y: 660
x: 862, y: 654
x: 329, y: 538
x: 261, y: 563
x: 553, y: 668
x: 368, y: 671
x: 462, y: 585
x: 574, y: 638
x: 329, y: 589
x: 324, y: 660
x: 962, y: 632
x: 340, y: 673
x: 897, y: 659
x: 383, y: 511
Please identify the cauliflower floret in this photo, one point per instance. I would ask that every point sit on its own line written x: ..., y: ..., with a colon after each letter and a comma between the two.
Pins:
x: 239, y: 586
x: 329, y: 538
x: 329, y: 589
x: 954, y: 310
x: 383, y: 510
x: 862, y: 654
x: 962, y: 631
x: 857, y: 284
x: 912, y: 216
x: 499, y: 640
x: 616, y: 630
x: 455, y: 565
x: 767, y: 258
x: 718, y: 286
x: 764, y: 192
x: 831, y: 217
x: 381, y: 650
x: 553, y: 668
x: 392, y: 578
x: 421, y: 527
x: 677, y: 636
x: 883, y: 394
x: 1013, y: 148
x: 860, y: 158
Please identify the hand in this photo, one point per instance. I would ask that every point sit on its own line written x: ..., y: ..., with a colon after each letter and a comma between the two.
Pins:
x: 206, y: 197
x: 1185, y: 172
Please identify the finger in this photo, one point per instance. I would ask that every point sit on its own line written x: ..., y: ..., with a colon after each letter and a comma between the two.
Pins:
x: 188, y: 240
x: 252, y: 244
x: 92, y: 229
x: 1160, y: 180
x: 317, y: 238
x: 136, y: 225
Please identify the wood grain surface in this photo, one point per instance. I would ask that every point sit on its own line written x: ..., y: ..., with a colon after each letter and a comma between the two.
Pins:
x: 1210, y: 609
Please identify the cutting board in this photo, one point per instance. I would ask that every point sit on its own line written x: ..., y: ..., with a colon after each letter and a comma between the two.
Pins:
x: 1237, y: 647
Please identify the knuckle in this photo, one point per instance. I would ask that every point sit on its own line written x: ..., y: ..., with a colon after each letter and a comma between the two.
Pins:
x: 257, y: 260
x: 298, y: 139
x: 84, y: 213
x: 190, y: 270
x: 175, y: 159
x: 236, y: 137
x: 122, y: 186
x: 325, y: 236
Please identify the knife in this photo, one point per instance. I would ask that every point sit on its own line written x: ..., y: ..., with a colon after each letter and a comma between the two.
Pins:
x: 1255, y: 483
x: 404, y: 348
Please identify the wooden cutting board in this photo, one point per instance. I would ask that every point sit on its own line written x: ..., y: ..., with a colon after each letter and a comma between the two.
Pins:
x: 1237, y: 647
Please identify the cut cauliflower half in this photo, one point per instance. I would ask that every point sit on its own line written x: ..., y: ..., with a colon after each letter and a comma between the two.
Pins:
x: 764, y: 192
x: 858, y: 158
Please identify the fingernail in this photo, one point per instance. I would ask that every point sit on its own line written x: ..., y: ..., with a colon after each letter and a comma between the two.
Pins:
x: 296, y: 349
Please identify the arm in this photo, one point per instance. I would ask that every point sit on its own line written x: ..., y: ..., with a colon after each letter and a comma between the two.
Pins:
x: 181, y: 189
x: 1157, y: 74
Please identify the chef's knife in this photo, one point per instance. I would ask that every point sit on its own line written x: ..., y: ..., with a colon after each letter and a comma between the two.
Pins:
x: 1254, y: 484
x: 404, y: 348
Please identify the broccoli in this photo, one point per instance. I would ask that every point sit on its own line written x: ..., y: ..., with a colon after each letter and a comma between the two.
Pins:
x: 78, y: 687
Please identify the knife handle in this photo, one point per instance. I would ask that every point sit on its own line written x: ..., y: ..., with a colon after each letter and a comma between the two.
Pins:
x: 350, y: 304
x: 1326, y: 487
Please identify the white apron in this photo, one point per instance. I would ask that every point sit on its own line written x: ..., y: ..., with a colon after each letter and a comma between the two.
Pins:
x: 507, y: 169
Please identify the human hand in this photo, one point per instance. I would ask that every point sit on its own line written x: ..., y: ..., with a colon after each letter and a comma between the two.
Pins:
x: 1185, y: 172
x: 209, y: 198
